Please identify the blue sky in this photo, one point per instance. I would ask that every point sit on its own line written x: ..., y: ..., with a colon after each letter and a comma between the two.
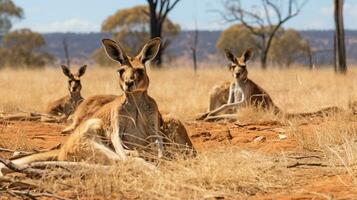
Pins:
x: 87, y: 15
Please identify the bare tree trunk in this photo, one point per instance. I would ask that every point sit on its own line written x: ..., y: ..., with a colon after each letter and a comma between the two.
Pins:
x: 340, y: 49
x: 66, y: 52
x: 310, y: 58
x: 263, y: 59
x: 194, y: 50
x: 158, y: 14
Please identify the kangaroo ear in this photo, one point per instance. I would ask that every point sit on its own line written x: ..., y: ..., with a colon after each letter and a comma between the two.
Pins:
x: 114, y: 51
x: 150, y: 50
x: 247, y: 55
x: 229, y: 55
x: 82, y: 70
x: 66, y: 71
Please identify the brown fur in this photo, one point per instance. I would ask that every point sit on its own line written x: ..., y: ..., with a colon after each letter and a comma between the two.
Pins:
x: 65, y: 106
x: 99, y: 106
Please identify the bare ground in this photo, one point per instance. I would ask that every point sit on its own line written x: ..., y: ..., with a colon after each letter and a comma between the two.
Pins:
x: 312, y: 176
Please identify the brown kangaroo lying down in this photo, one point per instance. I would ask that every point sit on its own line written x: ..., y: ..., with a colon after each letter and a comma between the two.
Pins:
x: 128, y: 123
x: 244, y: 92
x: 66, y: 105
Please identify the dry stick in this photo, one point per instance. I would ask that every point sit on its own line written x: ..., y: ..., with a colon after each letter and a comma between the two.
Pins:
x: 16, y: 183
x: 34, y: 195
x: 11, y: 151
x: 298, y: 164
x: 66, y: 165
x: 20, y: 169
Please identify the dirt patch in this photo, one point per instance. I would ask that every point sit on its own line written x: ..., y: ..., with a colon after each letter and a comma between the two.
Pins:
x: 266, y: 137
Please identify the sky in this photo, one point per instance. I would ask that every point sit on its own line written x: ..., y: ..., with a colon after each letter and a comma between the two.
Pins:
x: 47, y: 16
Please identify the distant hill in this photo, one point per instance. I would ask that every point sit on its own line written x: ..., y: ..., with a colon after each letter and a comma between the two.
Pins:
x: 81, y: 45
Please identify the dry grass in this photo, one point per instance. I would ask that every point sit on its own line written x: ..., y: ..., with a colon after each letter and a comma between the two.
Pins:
x: 180, y: 91
x: 201, y: 178
x: 215, y: 173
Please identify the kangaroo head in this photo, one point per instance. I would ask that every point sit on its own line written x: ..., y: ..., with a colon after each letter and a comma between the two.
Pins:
x: 238, y: 66
x: 132, y: 71
x: 74, y: 80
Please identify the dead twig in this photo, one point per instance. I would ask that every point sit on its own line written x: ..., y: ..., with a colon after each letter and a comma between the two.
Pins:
x: 298, y: 164
x: 34, y: 195
x: 25, y: 170
x: 66, y: 165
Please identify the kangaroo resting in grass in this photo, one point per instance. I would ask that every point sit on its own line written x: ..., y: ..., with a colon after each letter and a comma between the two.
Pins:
x: 130, y: 122
x: 65, y: 106
x: 244, y: 92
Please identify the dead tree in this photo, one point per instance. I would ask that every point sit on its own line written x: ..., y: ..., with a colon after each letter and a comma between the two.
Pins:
x: 66, y: 52
x: 194, y: 49
x: 339, y: 39
x: 263, y: 23
x: 158, y: 11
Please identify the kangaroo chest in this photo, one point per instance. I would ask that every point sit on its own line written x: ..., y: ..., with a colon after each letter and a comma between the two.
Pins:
x: 137, y: 122
x: 71, y: 105
x: 238, y: 92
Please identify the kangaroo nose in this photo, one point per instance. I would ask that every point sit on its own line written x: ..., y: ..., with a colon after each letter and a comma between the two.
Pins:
x: 129, y: 83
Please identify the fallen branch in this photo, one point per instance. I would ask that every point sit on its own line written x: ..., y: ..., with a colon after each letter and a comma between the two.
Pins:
x: 13, y: 167
x: 11, y: 151
x: 298, y: 164
x: 304, y: 157
x: 12, y: 183
x: 34, y: 195
x: 66, y: 165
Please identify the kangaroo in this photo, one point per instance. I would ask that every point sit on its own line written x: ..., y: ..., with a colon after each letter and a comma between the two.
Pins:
x: 128, y: 123
x: 65, y: 106
x: 244, y: 92
x: 175, y: 133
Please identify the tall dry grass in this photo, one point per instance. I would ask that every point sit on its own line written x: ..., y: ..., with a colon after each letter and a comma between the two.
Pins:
x: 179, y: 90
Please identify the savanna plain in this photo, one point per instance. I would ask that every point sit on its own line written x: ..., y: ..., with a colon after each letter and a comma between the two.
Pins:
x: 259, y: 156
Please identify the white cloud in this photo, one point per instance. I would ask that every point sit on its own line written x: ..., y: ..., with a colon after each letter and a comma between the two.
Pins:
x: 71, y: 25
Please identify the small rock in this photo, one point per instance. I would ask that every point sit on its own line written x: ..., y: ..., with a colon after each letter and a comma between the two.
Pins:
x: 282, y: 136
x: 260, y: 139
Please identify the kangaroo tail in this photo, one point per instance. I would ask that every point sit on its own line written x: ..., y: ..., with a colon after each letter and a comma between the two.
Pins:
x: 45, y: 156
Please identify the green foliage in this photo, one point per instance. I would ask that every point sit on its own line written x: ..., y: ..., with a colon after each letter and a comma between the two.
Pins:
x: 130, y: 27
x: 237, y: 38
x: 288, y: 48
x: 8, y: 12
x: 21, y: 48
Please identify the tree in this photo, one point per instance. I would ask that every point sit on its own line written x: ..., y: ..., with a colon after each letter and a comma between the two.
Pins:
x: 158, y: 11
x: 263, y: 23
x: 289, y: 47
x: 22, y: 48
x: 130, y: 27
x: 236, y: 38
x: 8, y: 12
x: 339, y: 40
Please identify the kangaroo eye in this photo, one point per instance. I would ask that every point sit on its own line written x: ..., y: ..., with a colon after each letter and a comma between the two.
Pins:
x: 141, y: 71
x: 231, y: 66
x: 120, y: 72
